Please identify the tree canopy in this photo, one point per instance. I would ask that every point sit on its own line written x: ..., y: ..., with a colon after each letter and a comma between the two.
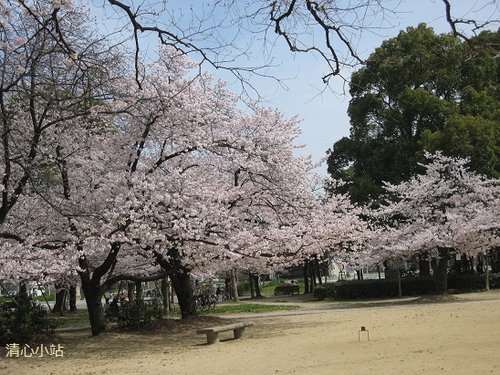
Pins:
x: 420, y: 91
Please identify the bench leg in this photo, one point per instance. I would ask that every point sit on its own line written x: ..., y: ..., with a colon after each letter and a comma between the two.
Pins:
x: 212, y: 338
x: 238, y: 332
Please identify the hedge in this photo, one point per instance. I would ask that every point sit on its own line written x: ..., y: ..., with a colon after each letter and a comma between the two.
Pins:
x: 411, y: 286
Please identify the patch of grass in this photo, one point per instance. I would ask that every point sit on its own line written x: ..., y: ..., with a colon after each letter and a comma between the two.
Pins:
x: 50, y: 297
x: 71, y: 318
x: 268, y: 288
x: 238, y: 307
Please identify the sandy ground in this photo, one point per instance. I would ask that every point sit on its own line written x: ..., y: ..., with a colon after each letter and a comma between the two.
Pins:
x: 454, y: 335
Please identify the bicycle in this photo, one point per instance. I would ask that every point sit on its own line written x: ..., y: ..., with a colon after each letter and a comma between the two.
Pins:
x: 204, y: 302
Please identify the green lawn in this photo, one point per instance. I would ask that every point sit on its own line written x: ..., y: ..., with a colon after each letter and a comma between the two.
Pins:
x: 241, y: 307
x: 80, y: 317
x: 268, y: 288
x: 71, y: 319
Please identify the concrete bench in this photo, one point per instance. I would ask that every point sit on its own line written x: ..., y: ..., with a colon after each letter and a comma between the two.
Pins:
x: 286, y: 289
x: 213, y: 332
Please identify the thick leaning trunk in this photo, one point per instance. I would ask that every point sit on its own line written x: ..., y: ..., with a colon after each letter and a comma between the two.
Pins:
x: 93, y: 297
x: 440, y: 268
x: 181, y: 283
x: 93, y: 290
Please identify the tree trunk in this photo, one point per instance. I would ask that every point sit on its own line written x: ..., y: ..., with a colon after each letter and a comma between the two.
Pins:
x: 92, y: 289
x: 359, y: 273
x: 250, y: 281
x: 440, y: 267
x: 400, y: 289
x: 466, y: 263
x: 165, y: 294
x: 234, y: 286
x: 320, y: 279
x: 424, y: 268
x: 306, y: 278
x: 130, y: 292
x: 72, y: 298
x: 486, y: 273
x: 495, y: 264
x: 93, y: 297
x: 181, y: 282
x: 318, y: 271
x: 23, y: 290
x: 138, y: 290
x: 59, y: 305
x: 258, y: 293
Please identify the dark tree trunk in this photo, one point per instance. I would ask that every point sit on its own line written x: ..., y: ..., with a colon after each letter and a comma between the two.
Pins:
x: 495, y: 260
x: 23, y: 290
x: 165, y: 294
x: 306, y: 279
x: 312, y: 283
x: 466, y: 263
x: 440, y: 268
x: 313, y: 272
x: 59, y: 305
x: 138, y: 290
x: 130, y: 292
x: 92, y: 289
x: 234, y: 285
x: 258, y: 293
x: 480, y: 264
x: 93, y: 296
x: 424, y: 267
x: 486, y: 273
x: 227, y: 286
x: 72, y: 298
x: 400, y: 289
x: 181, y: 283
x: 359, y: 273
x: 320, y: 280
x: 250, y: 282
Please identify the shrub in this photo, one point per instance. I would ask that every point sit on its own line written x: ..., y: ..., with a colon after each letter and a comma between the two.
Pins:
x: 374, y: 288
x: 416, y: 286
x: 411, y: 286
x: 495, y: 280
x: 138, y: 314
x: 366, y: 289
x: 324, y: 291
x: 469, y: 281
x: 23, y: 320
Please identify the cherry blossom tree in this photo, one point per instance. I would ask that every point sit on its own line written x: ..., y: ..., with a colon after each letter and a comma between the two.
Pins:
x: 104, y: 180
x: 43, y: 94
x: 446, y: 210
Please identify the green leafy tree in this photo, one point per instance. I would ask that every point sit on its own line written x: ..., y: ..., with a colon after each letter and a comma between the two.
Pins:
x: 420, y: 91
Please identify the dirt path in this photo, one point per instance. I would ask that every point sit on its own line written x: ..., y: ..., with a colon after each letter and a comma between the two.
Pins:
x: 456, y: 335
